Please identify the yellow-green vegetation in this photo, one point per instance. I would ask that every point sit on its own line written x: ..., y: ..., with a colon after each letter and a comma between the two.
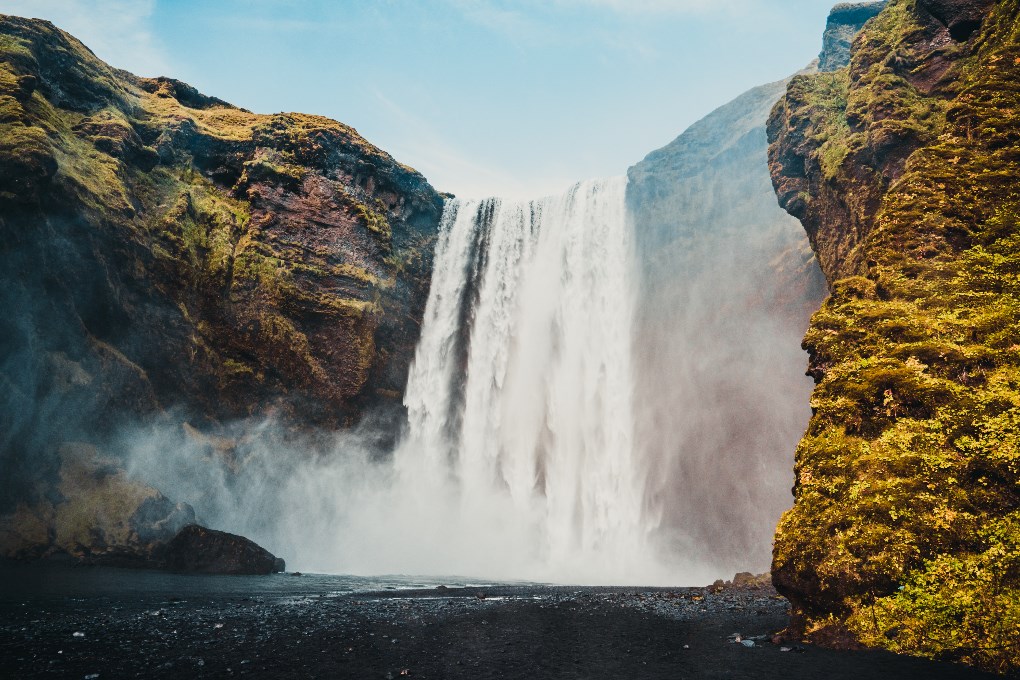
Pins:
x: 827, y: 94
x: 275, y: 167
x: 375, y: 221
x: 906, y: 526
x: 99, y: 498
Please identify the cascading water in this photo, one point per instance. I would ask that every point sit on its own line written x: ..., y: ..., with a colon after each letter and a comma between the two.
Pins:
x: 521, y: 459
x: 520, y: 397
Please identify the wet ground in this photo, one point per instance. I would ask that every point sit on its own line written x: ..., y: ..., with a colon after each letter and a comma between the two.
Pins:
x: 107, y: 623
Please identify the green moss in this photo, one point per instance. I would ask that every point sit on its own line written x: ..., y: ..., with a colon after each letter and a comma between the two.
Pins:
x: 234, y: 368
x: 963, y: 607
x: 279, y: 172
x: 908, y: 479
x: 823, y: 99
x: 375, y: 222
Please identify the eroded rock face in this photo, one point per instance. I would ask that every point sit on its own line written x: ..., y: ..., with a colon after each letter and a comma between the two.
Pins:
x: 844, y: 23
x: 904, y: 170
x: 197, y: 550
x: 167, y: 255
x: 961, y: 17
x: 223, y: 259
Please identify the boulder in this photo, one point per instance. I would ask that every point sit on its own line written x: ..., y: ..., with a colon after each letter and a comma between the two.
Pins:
x: 198, y: 550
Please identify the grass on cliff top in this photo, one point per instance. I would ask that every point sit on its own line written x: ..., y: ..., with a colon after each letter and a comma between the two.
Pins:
x: 908, y: 480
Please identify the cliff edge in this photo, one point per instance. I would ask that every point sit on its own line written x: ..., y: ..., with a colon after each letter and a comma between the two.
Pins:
x: 904, y: 169
x: 168, y: 255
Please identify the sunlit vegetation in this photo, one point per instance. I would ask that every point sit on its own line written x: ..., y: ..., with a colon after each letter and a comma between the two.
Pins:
x: 906, y: 527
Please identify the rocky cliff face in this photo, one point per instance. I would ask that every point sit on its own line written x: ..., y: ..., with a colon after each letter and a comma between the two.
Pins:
x: 167, y: 253
x: 844, y: 23
x: 904, y: 170
x: 728, y: 285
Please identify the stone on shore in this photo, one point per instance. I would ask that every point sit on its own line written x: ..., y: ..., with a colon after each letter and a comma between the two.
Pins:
x: 199, y: 550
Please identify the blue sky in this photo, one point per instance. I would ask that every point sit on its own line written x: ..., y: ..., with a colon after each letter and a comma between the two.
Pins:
x: 485, y: 97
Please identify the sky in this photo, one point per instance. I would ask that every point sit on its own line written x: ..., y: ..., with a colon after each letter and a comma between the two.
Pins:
x: 513, y: 98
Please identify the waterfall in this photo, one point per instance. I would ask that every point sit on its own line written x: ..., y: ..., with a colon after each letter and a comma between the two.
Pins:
x: 520, y: 399
x: 520, y: 460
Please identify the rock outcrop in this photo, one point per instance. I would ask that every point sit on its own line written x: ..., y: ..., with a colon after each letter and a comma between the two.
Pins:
x: 94, y: 514
x: 166, y: 254
x: 197, y: 550
x: 844, y: 23
x: 904, y: 169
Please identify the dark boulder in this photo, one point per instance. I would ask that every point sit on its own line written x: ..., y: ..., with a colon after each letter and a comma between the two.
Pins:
x: 198, y: 550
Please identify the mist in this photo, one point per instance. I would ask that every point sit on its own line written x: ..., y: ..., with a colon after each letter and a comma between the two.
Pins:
x: 608, y: 389
x: 728, y: 283
x: 518, y: 461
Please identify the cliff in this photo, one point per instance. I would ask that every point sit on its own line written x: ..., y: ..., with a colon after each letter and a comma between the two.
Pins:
x: 168, y: 255
x: 728, y: 283
x: 904, y: 169
x: 844, y: 23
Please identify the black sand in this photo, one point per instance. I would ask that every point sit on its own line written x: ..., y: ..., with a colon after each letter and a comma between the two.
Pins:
x: 297, y: 627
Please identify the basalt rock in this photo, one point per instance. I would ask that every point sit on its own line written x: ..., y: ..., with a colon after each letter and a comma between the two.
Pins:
x: 222, y: 260
x: 197, y: 550
x: 167, y: 255
x: 961, y: 17
x: 844, y: 23
x: 904, y: 169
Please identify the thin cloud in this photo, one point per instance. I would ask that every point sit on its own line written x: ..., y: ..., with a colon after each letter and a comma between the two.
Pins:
x: 118, y: 31
x: 518, y: 14
x: 637, y: 7
x: 530, y: 22
x: 522, y: 27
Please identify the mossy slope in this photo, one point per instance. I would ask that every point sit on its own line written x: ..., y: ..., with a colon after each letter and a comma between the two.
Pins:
x: 905, y: 171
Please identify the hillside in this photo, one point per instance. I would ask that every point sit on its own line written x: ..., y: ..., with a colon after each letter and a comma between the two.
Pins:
x: 728, y: 283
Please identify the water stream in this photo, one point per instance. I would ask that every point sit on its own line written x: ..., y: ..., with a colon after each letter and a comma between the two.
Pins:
x: 520, y: 398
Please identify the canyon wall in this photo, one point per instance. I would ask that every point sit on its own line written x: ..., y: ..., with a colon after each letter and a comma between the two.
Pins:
x: 904, y: 169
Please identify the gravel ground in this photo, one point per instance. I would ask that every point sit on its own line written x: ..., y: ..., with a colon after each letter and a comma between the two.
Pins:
x: 299, y: 627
